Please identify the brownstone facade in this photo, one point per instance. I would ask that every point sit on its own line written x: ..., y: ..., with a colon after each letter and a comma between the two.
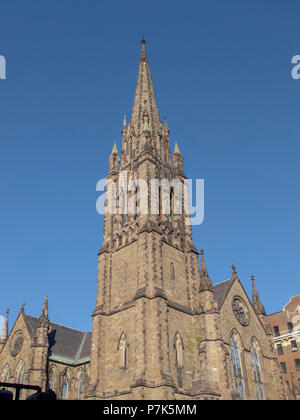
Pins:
x: 161, y: 329
x: 286, y: 330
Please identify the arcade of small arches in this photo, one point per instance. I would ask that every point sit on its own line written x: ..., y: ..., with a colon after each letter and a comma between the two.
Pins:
x: 66, y: 382
x: 60, y: 382
x: 170, y: 235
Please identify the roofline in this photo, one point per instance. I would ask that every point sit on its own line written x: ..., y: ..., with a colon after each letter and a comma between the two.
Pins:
x: 273, y: 313
x: 70, y: 328
x: 68, y: 361
x: 220, y: 282
x: 61, y: 325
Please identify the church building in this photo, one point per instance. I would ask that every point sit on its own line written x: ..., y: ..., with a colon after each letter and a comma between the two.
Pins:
x: 161, y: 330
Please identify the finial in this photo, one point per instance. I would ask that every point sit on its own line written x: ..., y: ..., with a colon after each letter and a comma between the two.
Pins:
x: 143, y: 58
x: 233, y: 268
x: 165, y: 122
x: 203, y: 264
x: 114, y: 150
x: 176, y: 149
x: 45, y: 306
x: 43, y: 319
x: 205, y: 282
x: 23, y: 306
x: 124, y: 121
x: 258, y: 306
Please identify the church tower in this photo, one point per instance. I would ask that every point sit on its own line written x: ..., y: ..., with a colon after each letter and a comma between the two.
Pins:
x: 152, y: 301
x: 161, y: 329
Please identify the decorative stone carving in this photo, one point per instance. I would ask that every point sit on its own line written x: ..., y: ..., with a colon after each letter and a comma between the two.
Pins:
x: 240, y: 310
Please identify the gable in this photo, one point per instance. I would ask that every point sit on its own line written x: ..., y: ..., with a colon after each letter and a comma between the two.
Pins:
x: 247, y: 329
x: 17, y: 347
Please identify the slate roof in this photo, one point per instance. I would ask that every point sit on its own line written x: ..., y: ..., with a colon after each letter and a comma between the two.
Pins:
x: 221, y: 290
x: 65, y: 344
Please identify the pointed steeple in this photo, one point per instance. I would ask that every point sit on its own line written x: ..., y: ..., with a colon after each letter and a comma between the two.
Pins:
x: 177, y: 161
x: 176, y: 149
x: 205, y: 282
x: 114, y: 159
x: 258, y: 306
x: 144, y: 99
x: 114, y: 149
x: 4, y: 332
x: 166, y: 127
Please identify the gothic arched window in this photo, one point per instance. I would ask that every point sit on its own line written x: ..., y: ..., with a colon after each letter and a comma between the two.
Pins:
x: 256, y: 371
x: 237, y: 367
x: 51, y: 379
x: 122, y: 348
x: 51, y: 383
x: 65, y: 386
x: 179, y: 350
x: 80, y: 384
x: 21, y: 376
x: 5, y: 375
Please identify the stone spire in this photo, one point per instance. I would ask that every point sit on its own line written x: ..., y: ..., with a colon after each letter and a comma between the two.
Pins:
x: 144, y: 99
x: 43, y: 319
x: 176, y: 149
x: 45, y: 307
x: 205, y: 282
x: 177, y: 161
x: 166, y: 127
x: 4, y: 332
x: 114, y: 159
x: 114, y: 149
x: 258, y: 306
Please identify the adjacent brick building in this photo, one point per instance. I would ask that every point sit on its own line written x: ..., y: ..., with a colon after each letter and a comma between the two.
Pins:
x: 161, y: 329
x: 286, y: 329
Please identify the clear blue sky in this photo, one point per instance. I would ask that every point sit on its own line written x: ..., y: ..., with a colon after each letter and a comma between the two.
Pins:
x: 222, y: 75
